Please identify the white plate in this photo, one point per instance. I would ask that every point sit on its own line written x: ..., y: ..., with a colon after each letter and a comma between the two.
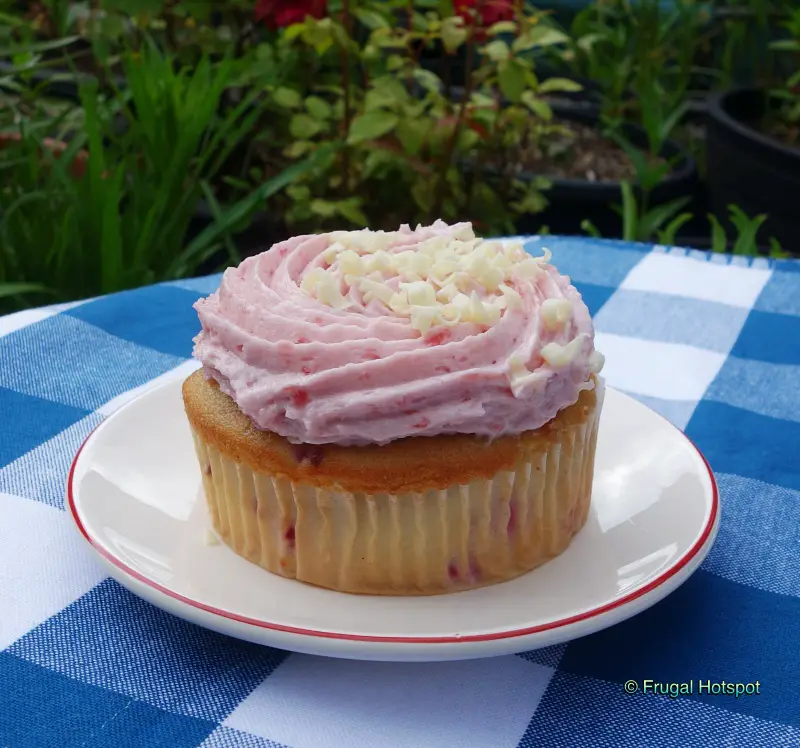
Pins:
x: 135, y: 493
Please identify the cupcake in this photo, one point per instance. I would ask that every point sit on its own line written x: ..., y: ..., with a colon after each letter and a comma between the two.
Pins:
x: 396, y: 413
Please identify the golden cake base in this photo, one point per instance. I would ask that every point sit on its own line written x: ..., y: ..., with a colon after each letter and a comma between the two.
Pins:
x: 419, y: 516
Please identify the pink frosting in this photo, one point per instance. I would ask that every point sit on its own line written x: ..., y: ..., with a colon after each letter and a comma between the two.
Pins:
x: 318, y: 375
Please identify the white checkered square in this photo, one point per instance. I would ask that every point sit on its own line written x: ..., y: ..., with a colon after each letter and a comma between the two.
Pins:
x: 697, y: 279
x: 316, y: 702
x: 670, y: 371
x: 45, y: 565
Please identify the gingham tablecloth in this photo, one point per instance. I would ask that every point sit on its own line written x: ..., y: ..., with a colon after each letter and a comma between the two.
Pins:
x: 711, y: 342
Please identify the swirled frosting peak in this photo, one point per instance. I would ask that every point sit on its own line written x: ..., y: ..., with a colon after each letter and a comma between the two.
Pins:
x: 367, y: 336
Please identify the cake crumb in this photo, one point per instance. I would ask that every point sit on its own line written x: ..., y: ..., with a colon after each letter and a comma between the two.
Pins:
x: 211, y: 538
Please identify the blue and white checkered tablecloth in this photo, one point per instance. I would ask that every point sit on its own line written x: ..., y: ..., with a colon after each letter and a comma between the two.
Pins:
x: 712, y: 342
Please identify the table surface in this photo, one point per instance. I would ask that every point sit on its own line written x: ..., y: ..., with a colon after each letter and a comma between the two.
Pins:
x: 711, y: 342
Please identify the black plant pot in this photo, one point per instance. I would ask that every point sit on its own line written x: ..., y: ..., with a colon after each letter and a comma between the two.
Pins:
x: 750, y: 169
x: 572, y: 201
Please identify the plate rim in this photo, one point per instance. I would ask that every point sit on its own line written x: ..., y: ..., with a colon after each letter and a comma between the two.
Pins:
x: 600, y: 611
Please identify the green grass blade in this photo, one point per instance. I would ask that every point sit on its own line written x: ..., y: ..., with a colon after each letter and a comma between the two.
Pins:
x: 240, y: 210
x: 21, y: 289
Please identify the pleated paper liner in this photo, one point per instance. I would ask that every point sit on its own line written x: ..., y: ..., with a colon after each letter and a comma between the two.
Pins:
x: 433, y: 542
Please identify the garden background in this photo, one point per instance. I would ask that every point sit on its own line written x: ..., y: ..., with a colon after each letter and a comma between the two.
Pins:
x: 150, y: 140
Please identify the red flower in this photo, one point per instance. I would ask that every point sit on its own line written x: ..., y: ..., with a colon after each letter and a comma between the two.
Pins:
x: 484, y: 12
x: 278, y: 14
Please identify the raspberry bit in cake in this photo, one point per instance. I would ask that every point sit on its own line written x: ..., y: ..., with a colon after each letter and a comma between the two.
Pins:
x: 313, y: 454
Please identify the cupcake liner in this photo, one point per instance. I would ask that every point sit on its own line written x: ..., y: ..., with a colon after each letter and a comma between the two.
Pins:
x: 433, y: 542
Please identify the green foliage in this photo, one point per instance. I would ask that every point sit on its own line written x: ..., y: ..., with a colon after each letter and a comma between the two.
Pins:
x: 633, y: 48
x: 415, y: 149
x: 787, y: 96
x: 113, y: 209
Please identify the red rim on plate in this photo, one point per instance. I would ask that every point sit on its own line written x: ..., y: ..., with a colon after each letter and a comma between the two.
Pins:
x: 657, y: 582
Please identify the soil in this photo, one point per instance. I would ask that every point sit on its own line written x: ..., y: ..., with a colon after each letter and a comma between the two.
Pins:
x: 581, y: 153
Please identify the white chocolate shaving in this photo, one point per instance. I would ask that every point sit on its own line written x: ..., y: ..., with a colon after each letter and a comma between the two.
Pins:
x: 351, y: 263
x: 376, y: 290
x: 596, y: 362
x: 449, y: 278
x: 559, y: 356
x: 556, y: 312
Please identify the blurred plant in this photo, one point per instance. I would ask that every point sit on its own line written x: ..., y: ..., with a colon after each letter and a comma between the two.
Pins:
x: 89, y: 37
x: 413, y: 152
x: 111, y: 209
x: 631, y: 47
x: 662, y: 225
x: 746, y: 229
x: 787, y: 96
x: 738, y: 40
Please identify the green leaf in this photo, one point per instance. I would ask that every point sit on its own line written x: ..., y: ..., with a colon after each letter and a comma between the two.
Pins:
x: 653, y: 219
x: 785, y: 45
x: 497, y: 50
x: 511, y: 78
x: 298, y: 148
x: 468, y: 139
x: 351, y: 210
x: 747, y: 228
x: 20, y: 289
x: 428, y: 80
x: 538, y: 106
x: 719, y: 240
x: 539, y: 36
x: 776, y: 250
x: 371, y: 125
x: 304, y: 126
x: 290, y: 33
x: 591, y: 229
x: 453, y: 33
x: 287, y: 97
x: 372, y: 19
x: 411, y: 134
x: 666, y: 236
x: 630, y: 213
x: 318, y: 107
x: 423, y: 194
x: 385, y: 93
x: 559, y: 84
x: 323, y: 208
x: 502, y: 27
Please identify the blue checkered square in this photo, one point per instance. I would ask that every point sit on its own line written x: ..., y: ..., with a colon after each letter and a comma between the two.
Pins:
x: 758, y: 537
x: 593, y: 296
x: 666, y: 318
x: 158, y: 317
x: 134, y: 649
x: 69, y: 361
x: 578, y: 711
x: 29, y: 421
x: 766, y: 448
x: 44, y: 709
x: 710, y: 628
x: 774, y: 338
x: 41, y: 473
x: 769, y: 389
x: 588, y: 260
x: 780, y: 295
